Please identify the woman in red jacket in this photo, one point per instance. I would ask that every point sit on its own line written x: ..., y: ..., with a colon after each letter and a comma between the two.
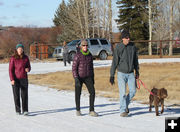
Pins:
x: 19, y: 65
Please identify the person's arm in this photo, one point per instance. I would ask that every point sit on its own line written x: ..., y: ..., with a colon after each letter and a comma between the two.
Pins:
x: 28, y: 66
x: 75, y: 66
x: 11, y: 69
x: 92, y: 65
x: 115, y: 62
x: 136, y: 64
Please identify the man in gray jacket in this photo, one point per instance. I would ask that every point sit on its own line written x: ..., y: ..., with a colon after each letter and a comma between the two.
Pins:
x: 125, y: 60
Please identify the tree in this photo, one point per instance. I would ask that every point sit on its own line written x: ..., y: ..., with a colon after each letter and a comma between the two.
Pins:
x: 133, y: 17
x: 172, y: 4
x: 110, y: 19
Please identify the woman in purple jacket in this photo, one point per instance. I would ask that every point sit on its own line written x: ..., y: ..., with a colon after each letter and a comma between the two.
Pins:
x: 83, y: 72
x: 19, y: 65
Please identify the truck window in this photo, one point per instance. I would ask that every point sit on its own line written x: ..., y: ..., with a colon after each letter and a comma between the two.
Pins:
x: 103, y: 42
x: 59, y: 50
x: 94, y: 42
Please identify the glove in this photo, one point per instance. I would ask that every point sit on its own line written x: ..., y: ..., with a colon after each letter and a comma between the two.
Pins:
x: 77, y: 82
x: 111, y: 80
x: 137, y: 76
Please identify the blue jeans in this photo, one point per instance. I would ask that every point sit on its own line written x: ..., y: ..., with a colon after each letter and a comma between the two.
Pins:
x: 123, y: 79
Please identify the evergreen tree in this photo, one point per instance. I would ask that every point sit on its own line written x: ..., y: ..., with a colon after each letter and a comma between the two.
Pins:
x: 133, y: 17
x: 71, y: 18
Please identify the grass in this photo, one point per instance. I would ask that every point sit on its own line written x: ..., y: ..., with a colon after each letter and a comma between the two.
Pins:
x: 157, y: 75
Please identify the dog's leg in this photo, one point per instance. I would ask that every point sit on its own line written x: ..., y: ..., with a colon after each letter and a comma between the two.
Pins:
x: 156, y: 105
x: 151, y: 98
x: 162, y: 106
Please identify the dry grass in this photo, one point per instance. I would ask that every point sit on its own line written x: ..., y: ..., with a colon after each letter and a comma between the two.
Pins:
x: 165, y: 75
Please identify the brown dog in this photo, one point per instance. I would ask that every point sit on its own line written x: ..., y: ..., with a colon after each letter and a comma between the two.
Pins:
x: 158, y: 97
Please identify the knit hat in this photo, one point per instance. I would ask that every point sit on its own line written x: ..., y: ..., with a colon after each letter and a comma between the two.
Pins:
x: 19, y: 45
x: 125, y: 34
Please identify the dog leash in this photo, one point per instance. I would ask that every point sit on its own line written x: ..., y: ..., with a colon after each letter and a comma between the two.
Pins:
x: 139, y: 82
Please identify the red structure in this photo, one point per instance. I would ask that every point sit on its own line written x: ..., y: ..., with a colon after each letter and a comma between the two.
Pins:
x: 38, y: 50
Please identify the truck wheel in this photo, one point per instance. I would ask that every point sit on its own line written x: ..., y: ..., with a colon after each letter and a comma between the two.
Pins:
x: 103, y: 55
x: 71, y: 55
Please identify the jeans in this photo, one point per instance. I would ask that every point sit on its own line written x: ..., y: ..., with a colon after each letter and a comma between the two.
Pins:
x: 123, y: 80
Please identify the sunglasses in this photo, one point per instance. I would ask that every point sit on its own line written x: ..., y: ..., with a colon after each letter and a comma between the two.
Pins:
x: 85, y: 45
x: 127, y: 37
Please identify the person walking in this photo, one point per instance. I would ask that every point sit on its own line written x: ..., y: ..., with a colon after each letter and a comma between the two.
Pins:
x: 19, y: 66
x: 125, y: 60
x: 65, y: 54
x: 83, y: 72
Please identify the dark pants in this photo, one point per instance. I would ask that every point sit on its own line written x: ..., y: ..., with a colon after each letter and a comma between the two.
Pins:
x: 66, y: 58
x: 90, y: 86
x: 21, y: 87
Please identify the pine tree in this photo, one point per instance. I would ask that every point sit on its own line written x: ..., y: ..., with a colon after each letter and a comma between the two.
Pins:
x: 75, y: 18
x: 60, y: 14
x: 133, y: 17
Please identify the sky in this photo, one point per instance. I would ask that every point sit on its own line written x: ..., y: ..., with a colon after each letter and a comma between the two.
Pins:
x: 37, y: 13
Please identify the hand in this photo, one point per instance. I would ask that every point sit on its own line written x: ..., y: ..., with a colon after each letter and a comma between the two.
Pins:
x: 12, y: 82
x: 137, y: 76
x: 27, y: 69
x: 111, y: 80
x: 77, y: 82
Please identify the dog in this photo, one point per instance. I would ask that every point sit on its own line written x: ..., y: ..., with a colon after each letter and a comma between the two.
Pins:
x: 158, y: 97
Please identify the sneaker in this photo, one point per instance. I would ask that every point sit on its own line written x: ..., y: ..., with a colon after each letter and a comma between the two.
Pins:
x: 78, y: 113
x: 93, y: 113
x: 18, y: 113
x: 25, y: 113
x: 127, y: 110
x: 124, y: 114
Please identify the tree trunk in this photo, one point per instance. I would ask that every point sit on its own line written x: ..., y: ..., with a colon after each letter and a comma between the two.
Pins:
x: 93, y: 17
x: 110, y: 20
x: 79, y: 17
x: 170, y: 28
x: 86, y: 18
x: 98, y: 17
x: 150, y: 27
x: 104, y: 20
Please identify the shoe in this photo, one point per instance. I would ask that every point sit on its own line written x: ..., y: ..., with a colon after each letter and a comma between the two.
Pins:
x: 25, y: 113
x: 78, y: 113
x: 124, y: 114
x: 127, y: 110
x: 18, y: 113
x: 93, y: 113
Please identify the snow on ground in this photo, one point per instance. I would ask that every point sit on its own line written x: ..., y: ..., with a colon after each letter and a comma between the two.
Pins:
x: 54, y: 111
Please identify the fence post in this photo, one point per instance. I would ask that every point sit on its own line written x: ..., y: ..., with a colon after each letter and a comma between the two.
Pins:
x: 160, y: 48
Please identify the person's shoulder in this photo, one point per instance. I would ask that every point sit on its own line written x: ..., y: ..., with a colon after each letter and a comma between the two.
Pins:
x: 119, y: 46
x: 77, y: 54
x: 12, y: 57
x: 131, y: 44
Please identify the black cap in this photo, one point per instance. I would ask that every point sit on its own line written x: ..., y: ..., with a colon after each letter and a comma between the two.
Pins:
x: 125, y: 34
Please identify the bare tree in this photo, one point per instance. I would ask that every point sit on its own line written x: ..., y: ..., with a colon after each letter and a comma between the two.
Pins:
x: 150, y: 27
x: 93, y: 17
x: 79, y: 17
x: 104, y: 18
x: 98, y: 18
x: 172, y: 3
x: 110, y: 19
x: 85, y: 3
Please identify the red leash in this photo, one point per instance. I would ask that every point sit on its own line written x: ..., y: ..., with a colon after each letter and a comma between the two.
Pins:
x: 139, y: 82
